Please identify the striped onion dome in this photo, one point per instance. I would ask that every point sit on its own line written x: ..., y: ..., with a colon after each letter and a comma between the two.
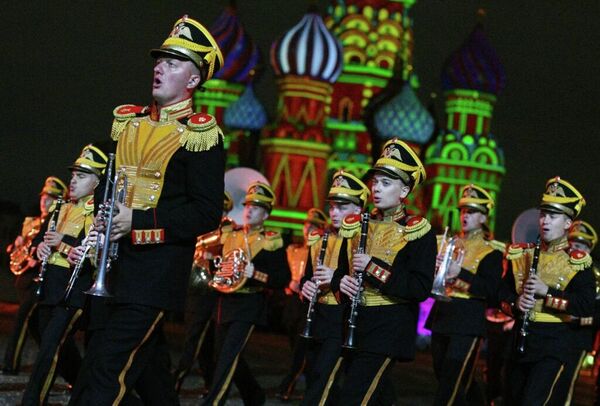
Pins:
x: 246, y: 113
x: 404, y: 116
x: 240, y: 52
x: 475, y: 66
x: 308, y: 49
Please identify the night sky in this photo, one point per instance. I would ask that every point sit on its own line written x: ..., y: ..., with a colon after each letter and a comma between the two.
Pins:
x: 67, y: 64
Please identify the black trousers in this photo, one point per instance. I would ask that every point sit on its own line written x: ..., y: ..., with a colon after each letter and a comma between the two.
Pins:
x: 323, y: 368
x: 563, y: 390
x: 366, y: 376
x: 498, y: 351
x: 25, y: 321
x: 453, y: 362
x: 199, y: 339
x: 230, y: 340
x: 532, y: 383
x: 132, y: 342
x: 294, y: 317
x: 57, y: 339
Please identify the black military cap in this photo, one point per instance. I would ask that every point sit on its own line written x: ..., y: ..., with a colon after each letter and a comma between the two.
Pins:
x: 562, y: 197
x: 583, y: 231
x: 53, y: 186
x: 347, y: 188
x: 92, y: 160
x: 316, y: 217
x: 476, y: 198
x: 260, y: 194
x: 191, y: 41
x: 399, y: 161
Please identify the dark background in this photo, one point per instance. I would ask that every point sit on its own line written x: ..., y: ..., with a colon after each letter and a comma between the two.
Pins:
x: 66, y: 65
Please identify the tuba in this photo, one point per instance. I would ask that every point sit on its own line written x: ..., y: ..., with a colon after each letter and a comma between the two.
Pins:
x: 230, y: 274
x: 21, y: 254
x: 451, y: 251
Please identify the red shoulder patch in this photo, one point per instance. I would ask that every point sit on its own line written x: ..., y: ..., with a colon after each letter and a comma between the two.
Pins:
x: 271, y: 233
x: 200, y: 118
x: 352, y: 219
x: 129, y: 109
x: 316, y: 233
x: 578, y: 254
x: 414, y: 220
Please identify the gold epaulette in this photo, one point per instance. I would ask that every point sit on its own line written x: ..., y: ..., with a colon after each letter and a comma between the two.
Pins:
x: 579, y: 260
x: 123, y: 114
x: 202, y: 133
x: 416, y: 227
x: 498, y: 245
x: 273, y: 241
x: 516, y: 250
x: 313, y: 237
x: 350, y: 226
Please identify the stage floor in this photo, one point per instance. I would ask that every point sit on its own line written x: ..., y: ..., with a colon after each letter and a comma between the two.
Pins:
x: 268, y: 355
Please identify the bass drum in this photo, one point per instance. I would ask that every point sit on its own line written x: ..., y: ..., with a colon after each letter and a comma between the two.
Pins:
x: 237, y: 181
x: 526, y: 227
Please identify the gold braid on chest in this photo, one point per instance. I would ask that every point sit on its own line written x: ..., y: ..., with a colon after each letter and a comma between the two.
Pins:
x: 385, y: 240
x: 143, y: 152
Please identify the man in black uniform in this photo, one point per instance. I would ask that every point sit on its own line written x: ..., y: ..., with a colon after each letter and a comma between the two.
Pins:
x: 294, y: 310
x: 201, y: 300
x: 60, y: 317
x: 397, y: 268
x: 174, y: 163
x: 562, y: 286
x: 347, y: 196
x: 253, y: 259
x: 582, y: 237
x: 457, y: 320
x: 25, y: 266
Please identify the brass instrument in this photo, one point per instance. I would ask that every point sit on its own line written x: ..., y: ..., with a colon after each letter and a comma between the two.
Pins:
x: 523, y: 331
x: 22, y: 254
x: 201, y: 273
x: 357, y: 299
x: 230, y: 274
x: 109, y: 248
x: 51, y: 227
x: 451, y: 251
x: 307, y: 332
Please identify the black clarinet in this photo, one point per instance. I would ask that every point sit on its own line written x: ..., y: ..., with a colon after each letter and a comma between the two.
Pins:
x: 356, y: 300
x: 51, y: 227
x: 307, y: 333
x: 525, y: 317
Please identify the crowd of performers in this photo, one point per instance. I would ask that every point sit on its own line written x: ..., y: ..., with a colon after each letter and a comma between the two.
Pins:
x: 144, y: 217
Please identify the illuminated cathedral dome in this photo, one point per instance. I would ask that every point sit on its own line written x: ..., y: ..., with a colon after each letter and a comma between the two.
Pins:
x: 404, y: 116
x: 475, y: 66
x: 247, y: 113
x: 308, y: 49
x: 240, y: 52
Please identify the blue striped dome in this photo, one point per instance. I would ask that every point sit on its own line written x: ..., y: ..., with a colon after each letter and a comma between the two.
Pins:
x: 404, y: 116
x: 247, y: 113
x: 308, y: 49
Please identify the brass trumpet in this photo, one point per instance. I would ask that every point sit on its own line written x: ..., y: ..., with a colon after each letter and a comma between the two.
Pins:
x: 451, y: 251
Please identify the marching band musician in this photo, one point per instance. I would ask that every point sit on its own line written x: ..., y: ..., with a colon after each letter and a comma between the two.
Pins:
x: 173, y: 161
x: 398, y: 269
x: 59, y: 321
x: 199, y: 341
x: 239, y: 310
x: 562, y: 286
x: 26, y: 267
x: 348, y: 195
x: 582, y: 237
x: 458, y: 325
x: 294, y: 310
